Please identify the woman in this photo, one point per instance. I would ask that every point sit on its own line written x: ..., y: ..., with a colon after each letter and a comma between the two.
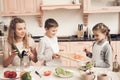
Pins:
x: 17, y: 35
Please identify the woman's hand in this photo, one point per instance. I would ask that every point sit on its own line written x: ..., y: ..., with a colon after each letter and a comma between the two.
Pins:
x: 55, y: 56
x: 14, y: 53
x: 31, y: 53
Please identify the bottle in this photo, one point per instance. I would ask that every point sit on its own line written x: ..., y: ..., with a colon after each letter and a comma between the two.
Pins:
x: 115, y: 65
x: 80, y: 32
x: 26, y: 59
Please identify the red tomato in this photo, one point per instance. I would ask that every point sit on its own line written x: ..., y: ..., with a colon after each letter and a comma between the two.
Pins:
x: 6, y: 74
x: 47, y: 73
x: 10, y: 74
x: 77, y: 56
x: 13, y: 74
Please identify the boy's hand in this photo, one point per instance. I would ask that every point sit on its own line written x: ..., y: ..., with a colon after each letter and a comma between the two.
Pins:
x: 55, y: 56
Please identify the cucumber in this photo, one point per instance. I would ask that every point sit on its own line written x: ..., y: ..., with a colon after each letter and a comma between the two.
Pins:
x: 15, y: 48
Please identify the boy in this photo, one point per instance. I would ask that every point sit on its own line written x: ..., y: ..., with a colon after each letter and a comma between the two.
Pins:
x: 48, y: 45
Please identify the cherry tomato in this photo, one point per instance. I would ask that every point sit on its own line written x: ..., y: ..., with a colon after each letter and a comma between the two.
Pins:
x: 6, y: 74
x: 14, y: 74
x: 77, y: 56
x: 47, y: 73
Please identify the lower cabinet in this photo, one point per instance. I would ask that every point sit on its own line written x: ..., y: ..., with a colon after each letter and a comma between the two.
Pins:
x: 114, y: 48
x: 78, y: 47
x: 65, y: 62
x: 118, y: 51
x: 73, y: 48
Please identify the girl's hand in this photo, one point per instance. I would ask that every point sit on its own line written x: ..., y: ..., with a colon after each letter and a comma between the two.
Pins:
x: 86, y: 50
x: 55, y: 56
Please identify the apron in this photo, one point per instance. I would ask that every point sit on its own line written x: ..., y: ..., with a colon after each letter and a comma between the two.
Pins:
x: 97, y: 57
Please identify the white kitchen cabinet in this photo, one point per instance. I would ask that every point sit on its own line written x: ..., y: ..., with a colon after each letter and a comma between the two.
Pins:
x: 20, y: 7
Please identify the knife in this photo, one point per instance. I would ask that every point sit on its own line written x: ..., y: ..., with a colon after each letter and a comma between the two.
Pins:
x: 38, y: 74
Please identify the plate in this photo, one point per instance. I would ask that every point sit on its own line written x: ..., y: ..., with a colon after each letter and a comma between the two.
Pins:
x: 64, y: 76
x: 4, y: 78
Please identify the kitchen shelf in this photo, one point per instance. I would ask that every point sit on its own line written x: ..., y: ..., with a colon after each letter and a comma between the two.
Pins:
x: 20, y: 14
x: 62, y: 6
x: 88, y: 7
x: 103, y: 9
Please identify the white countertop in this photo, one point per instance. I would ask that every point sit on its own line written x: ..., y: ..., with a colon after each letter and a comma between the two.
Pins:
x: 76, y: 73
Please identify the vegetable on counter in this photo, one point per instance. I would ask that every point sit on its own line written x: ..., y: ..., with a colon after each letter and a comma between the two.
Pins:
x: 61, y: 72
x: 15, y: 48
x: 89, y: 65
x: 26, y: 76
x: 10, y: 74
x: 77, y: 56
x: 47, y: 73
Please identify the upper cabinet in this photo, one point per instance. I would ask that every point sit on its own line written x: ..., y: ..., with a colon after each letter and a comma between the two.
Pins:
x: 68, y: 4
x: 100, y: 6
x: 11, y: 7
x: 20, y: 7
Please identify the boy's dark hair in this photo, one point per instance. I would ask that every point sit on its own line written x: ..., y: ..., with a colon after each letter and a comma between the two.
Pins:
x: 50, y: 23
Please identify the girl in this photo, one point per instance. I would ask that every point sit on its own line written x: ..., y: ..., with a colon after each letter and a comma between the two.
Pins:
x: 17, y: 35
x: 102, y: 52
x: 48, y: 45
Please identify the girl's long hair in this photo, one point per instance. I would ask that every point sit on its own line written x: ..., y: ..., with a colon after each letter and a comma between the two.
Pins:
x: 103, y: 29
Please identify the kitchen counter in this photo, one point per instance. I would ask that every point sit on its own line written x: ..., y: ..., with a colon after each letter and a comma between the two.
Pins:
x: 114, y: 37
x: 76, y: 73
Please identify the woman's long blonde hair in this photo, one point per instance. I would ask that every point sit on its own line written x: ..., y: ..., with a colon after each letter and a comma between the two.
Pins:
x: 12, y: 38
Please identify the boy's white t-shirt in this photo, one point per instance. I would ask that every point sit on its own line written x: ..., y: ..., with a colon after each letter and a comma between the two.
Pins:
x: 47, y: 47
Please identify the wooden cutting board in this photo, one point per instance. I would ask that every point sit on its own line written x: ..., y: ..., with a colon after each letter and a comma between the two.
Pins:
x: 75, y: 57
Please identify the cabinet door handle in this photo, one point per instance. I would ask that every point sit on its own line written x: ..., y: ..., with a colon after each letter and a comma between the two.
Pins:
x: 12, y: 12
x: 61, y: 50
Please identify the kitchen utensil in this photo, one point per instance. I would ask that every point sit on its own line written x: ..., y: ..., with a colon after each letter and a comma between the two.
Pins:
x: 38, y: 74
x: 68, y: 57
x: 88, y: 76
x: 115, y: 64
x: 103, y: 77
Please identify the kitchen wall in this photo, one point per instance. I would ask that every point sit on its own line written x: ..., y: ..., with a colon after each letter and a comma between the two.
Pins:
x: 68, y: 20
